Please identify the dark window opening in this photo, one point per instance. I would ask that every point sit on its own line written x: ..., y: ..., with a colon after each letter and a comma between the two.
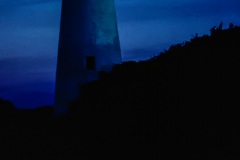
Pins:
x: 90, y: 63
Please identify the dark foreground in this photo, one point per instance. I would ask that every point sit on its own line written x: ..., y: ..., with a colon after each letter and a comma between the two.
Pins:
x: 183, y: 103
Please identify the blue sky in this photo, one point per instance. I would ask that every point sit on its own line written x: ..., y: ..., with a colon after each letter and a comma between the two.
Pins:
x: 29, y: 37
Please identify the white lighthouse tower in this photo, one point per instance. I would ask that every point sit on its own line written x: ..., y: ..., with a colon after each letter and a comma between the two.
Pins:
x: 88, y: 43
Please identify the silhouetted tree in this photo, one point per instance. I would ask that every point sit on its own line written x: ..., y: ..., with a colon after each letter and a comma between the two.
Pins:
x: 220, y: 26
x: 213, y: 30
x: 231, y: 26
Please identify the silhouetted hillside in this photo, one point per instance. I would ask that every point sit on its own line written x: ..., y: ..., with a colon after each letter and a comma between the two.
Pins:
x: 180, y: 104
x: 25, y: 133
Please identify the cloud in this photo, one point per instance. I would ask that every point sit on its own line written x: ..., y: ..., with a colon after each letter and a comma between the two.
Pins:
x: 151, y: 24
x: 139, y: 10
x: 17, y: 3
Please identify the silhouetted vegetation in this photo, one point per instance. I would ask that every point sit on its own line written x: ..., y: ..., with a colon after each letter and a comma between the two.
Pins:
x: 182, y: 103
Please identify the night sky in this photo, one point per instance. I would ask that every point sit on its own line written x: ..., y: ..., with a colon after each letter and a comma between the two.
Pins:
x: 29, y: 31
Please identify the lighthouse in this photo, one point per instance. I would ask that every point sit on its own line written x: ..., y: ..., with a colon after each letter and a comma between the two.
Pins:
x: 88, y: 43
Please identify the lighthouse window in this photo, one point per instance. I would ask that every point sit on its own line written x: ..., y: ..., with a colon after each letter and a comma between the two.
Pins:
x: 90, y: 63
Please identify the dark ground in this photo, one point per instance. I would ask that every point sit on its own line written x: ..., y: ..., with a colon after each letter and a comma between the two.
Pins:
x: 183, y: 103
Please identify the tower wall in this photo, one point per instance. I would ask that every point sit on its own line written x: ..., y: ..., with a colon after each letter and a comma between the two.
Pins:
x: 88, y: 43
